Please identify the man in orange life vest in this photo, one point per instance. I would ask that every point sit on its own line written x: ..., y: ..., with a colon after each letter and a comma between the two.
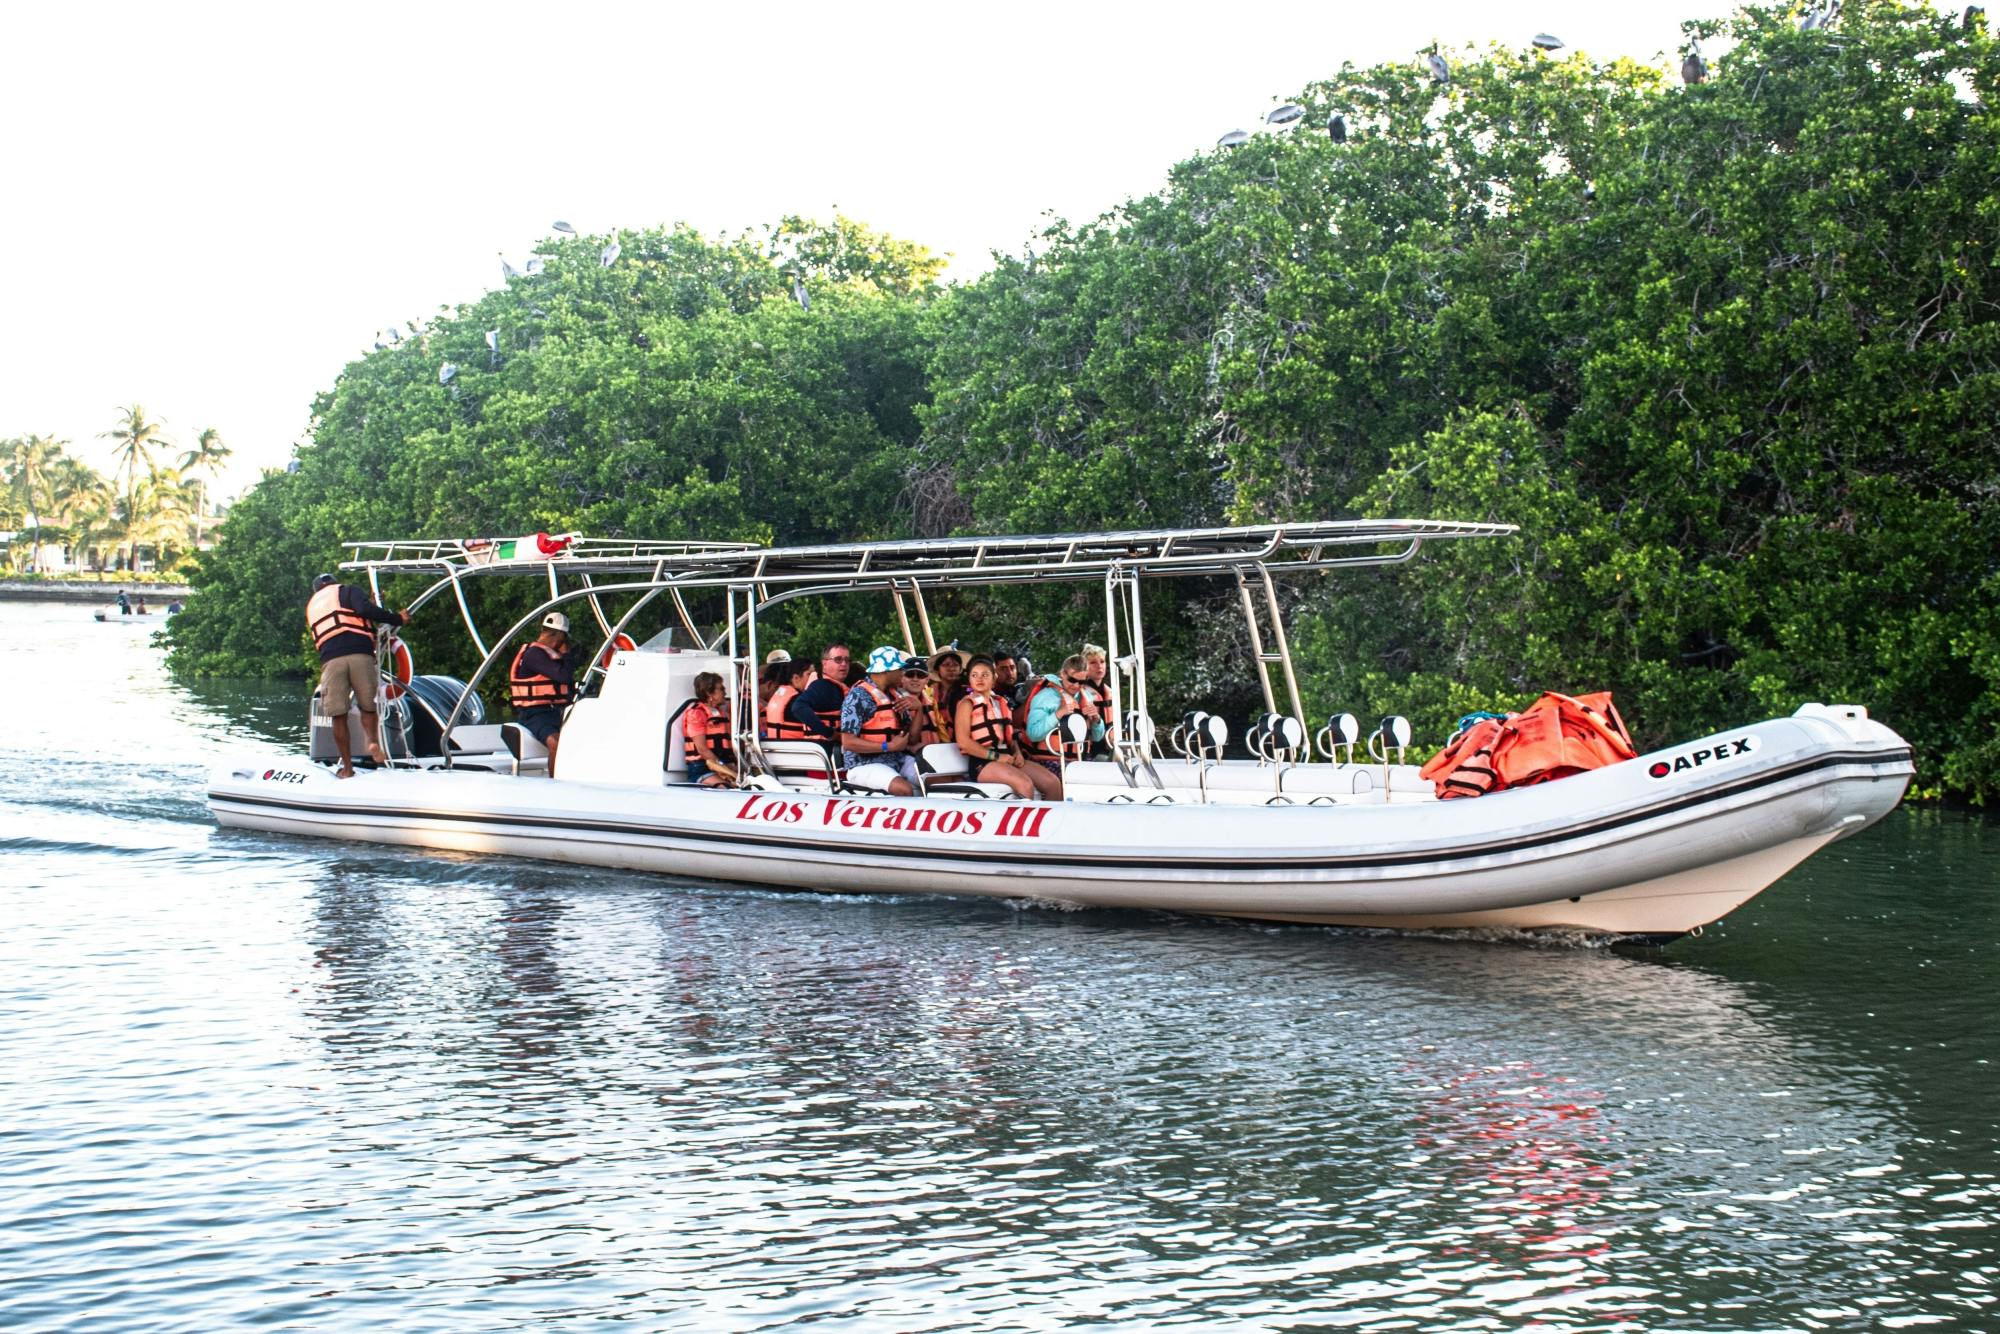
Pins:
x: 542, y: 682
x: 342, y: 624
x: 876, y: 728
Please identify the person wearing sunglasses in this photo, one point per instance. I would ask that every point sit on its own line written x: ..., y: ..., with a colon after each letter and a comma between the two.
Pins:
x: 825, y: 696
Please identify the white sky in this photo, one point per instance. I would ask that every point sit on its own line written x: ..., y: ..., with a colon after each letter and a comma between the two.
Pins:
x: 210, y: 209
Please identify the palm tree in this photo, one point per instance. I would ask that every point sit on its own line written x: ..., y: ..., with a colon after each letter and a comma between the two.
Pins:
x: 133, y: 441
x: 159, y: 515
x: 31, y: 463
x: 208, y: 453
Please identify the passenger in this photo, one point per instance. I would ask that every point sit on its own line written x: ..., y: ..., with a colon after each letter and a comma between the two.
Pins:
x: 787, y: 717
x: 984, y: 727
x: 705, y: 734
x: 1049, y: 700
x: 830, y: 690
x: 915, y: 699
x: 1096, y: 668
x: 1024, y: 681
x: 939, y: 696
x: 777, y: 670
x: 872, y: 730
x: 948, y: 671
x: 125, y: 599
x: 342, y: 624
x: 1005, y: 677
x: 542, y: 682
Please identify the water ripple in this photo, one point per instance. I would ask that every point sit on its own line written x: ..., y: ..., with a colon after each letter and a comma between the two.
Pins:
x: 263, y: 1080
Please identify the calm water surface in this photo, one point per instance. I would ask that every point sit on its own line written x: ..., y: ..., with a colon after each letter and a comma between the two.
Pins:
x: 256, y: 1080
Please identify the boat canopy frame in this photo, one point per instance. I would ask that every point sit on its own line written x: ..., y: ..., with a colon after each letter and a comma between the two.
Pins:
x: 753, y: 579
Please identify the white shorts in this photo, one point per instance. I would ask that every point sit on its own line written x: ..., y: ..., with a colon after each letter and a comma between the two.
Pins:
x: 877, y: 772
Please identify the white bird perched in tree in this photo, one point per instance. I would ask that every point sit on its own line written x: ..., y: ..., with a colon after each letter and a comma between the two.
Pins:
x: 609, y: 255
x: 379, y: 345
x: 493, y: 339
x: 1440, y: 72
x: 534, y: 265
x: 1287, y: 114
x: 800, y: 295
x: 395, y: 334
x: 1543, y: 41
x: 508, y: 270
x: 1234, y: 139
x: 447, y: 373
x: 563, y: 227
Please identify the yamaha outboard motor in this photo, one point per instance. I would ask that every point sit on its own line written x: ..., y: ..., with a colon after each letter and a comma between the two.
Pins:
x: 428, y: 704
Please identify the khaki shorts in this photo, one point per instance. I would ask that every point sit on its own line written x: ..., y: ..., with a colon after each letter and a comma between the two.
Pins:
x: 349, y: 680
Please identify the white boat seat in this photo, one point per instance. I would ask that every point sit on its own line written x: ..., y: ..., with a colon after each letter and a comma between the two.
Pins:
x: 477, y: 739
x: 800, y: 764
x: 1245, y: 782
x: 530, y: 755
x: 944, y: 771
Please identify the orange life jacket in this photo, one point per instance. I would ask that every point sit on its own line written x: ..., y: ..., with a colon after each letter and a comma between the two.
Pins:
x: 937, y: 720
x: 325, y: 617
x: 992, y: 722
x: 779, y: 727
x: 1464, y: 768
x: 1556, y: 736
x: 532, y: 690
x: 883, y: 724
x: 702, y: 721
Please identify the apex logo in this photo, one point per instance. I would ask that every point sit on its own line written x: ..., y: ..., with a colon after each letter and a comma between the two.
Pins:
x: 1721, y: 752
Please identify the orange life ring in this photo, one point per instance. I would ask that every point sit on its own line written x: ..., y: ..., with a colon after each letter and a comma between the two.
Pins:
x: 397, y: 679
x: 620, y: 643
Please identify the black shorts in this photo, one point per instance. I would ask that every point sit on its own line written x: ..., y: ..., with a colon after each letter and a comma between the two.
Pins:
x: 542, y: 723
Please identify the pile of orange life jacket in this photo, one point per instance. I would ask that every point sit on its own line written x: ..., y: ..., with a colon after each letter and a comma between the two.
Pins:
x: 1556, y: 736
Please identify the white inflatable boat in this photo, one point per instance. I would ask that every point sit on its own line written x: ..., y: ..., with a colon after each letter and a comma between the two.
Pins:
x: 1314, y: 828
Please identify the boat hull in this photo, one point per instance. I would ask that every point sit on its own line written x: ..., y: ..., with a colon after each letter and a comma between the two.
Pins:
x: 1654, y: 847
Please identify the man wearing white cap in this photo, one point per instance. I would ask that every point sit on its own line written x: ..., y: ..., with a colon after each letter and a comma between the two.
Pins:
x: 542, y: 682
x: 872, y: 732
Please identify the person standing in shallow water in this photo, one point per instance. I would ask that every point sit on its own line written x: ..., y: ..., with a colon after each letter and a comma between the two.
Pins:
x: 342, y: 624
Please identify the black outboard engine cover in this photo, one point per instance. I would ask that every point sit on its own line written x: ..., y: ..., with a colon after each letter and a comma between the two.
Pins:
x: 430, y: 700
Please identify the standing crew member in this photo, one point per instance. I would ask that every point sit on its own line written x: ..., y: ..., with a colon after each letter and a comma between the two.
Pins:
x: 542, y: 682
x: 342, y: 624
x: 871, y: 729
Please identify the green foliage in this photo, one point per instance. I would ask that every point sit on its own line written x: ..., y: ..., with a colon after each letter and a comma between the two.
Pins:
x: 679, y: 392
x: 1727, y: 353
